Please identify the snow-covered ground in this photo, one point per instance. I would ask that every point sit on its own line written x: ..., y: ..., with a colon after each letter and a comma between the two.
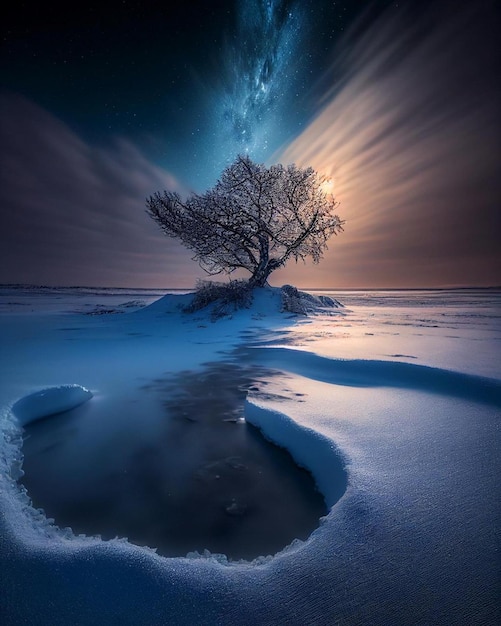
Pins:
x: 402, y: 389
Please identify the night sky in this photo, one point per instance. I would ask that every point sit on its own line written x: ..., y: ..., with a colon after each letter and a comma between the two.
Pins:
x: 397, y: 102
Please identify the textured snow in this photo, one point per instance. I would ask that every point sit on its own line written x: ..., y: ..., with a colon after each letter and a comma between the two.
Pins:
x: 403, y: 389
x: 46, y: 402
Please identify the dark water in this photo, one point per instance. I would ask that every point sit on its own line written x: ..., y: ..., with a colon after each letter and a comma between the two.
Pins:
x: 201, y: 479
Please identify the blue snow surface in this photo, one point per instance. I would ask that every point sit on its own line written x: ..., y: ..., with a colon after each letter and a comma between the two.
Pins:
x: 404, y: 387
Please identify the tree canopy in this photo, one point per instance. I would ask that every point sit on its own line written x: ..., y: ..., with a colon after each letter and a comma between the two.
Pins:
x: 255, y: 218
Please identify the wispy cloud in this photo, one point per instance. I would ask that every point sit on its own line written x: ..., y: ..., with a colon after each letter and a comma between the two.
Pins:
x: 73, y: 212
x: 408, y: 129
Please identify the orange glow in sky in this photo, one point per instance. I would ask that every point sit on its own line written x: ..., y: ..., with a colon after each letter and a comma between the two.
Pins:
x: 413, y: 159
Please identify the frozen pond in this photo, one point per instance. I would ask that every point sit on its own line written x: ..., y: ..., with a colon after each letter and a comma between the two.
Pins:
x: 201, y: 478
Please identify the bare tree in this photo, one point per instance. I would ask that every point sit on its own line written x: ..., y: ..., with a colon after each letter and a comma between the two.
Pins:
x: 255, y: 218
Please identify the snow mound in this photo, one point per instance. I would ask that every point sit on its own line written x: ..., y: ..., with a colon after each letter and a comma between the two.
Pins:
x: 171, y: 303
x: 224, y: 300
x: 50, y: 401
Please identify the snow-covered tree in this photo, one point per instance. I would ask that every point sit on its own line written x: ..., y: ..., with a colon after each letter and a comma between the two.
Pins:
x: 255, y: 218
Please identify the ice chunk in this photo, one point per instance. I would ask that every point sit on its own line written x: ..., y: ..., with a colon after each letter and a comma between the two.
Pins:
x: 49, y: 401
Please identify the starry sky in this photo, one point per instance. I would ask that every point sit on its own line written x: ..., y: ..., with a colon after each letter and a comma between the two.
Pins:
x: 103, y: 104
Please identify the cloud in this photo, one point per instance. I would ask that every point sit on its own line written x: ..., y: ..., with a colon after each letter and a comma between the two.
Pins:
x: 73, y: 213
x: 408, y: 129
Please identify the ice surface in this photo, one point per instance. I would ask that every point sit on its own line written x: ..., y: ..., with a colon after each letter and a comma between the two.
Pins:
x: 50, y: 401
x: 404, y: 386
x: 29, y: 299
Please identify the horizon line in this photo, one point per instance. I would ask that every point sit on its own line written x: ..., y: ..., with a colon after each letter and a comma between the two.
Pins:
x: 193, y: 287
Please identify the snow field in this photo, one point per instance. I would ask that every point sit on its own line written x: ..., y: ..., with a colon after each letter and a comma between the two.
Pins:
x: 413, y: 540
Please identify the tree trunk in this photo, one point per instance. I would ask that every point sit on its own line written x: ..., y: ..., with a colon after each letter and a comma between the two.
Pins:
x: 260, y: 276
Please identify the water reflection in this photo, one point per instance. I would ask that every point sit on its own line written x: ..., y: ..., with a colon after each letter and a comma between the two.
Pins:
x: 201, y: 479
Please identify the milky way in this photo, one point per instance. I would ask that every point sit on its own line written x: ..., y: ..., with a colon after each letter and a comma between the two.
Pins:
x: 262, y: 69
